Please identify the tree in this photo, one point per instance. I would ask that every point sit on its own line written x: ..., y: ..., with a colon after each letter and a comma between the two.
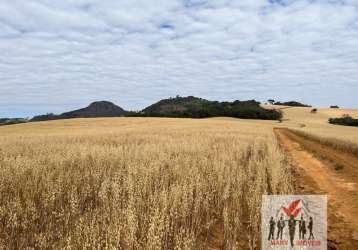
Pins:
x: 271, y: 101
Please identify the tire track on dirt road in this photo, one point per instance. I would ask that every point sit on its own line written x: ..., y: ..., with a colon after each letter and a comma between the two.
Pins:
x: 315, y: 175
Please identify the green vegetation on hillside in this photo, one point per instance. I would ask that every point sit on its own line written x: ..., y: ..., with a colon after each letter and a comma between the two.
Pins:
x: 346, y: 120
x: 193, y: 107
x: 292, y: 104
x: 46, y: 117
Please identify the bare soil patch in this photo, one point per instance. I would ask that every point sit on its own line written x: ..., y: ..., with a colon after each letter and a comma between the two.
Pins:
x: 324, y: 170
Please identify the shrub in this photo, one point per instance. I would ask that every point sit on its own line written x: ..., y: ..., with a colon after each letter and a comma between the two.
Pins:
x: 345, y: 120
x: 292, y: 104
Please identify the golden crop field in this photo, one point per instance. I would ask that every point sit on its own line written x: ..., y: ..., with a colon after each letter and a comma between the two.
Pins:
x: 317, y: 123
x: 146, y: 183
x: 137, y: 183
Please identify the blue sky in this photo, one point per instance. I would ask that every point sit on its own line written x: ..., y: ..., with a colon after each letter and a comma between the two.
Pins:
x: 61, y: 55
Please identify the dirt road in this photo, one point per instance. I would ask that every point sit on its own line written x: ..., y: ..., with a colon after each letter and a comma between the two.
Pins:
x: 322, y: 170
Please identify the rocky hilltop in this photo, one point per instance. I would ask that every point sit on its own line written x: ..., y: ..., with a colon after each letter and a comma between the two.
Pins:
x: 95, y: 109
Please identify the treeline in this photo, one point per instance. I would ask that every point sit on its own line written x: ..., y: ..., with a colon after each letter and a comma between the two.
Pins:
x: 11, y: 121
x: 193, y: 107
x: 290, y: 103
x: 46, y: 117
x: 346, y: 120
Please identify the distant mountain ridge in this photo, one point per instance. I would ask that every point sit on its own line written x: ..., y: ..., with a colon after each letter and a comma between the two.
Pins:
x: 178, y: 107
x: 95, y: 109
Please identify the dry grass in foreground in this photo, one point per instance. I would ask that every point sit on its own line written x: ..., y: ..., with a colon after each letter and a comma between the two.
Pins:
x: 335, y: 143
x: 136, y: 183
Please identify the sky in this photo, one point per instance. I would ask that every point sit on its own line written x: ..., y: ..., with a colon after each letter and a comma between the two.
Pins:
x: 57, y: 56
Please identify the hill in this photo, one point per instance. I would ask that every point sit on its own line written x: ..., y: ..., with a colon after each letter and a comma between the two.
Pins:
x: 180, y: 106
x: 95, y: 109
x: 194, y: 107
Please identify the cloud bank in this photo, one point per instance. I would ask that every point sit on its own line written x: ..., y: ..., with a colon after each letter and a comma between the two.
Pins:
x: 61, y: 55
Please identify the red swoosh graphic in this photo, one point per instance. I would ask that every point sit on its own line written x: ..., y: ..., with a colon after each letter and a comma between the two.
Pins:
x: 291, y: 209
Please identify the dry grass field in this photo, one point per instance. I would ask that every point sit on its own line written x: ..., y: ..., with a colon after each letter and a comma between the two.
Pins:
x: 157, y: 183
x: 325, y: 158
x: 137, y: 183
x: 317, y: 123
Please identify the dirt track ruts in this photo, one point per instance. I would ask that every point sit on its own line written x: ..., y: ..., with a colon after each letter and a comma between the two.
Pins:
x: 317, y: 173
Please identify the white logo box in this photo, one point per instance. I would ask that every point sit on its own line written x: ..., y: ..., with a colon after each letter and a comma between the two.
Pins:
x: 303, y: 223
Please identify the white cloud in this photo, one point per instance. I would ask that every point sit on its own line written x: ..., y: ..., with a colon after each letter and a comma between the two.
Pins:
x: 60, y: 55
